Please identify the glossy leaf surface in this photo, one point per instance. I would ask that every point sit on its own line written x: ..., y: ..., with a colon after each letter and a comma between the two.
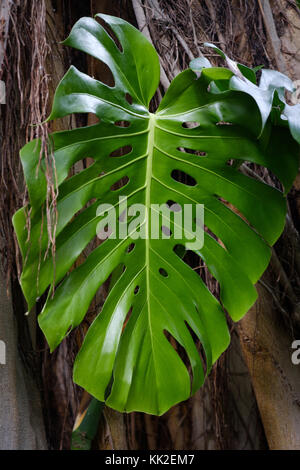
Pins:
x: 178, y: 154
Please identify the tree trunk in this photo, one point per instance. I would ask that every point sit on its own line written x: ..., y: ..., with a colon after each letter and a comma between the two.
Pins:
x: 267, y: 347
x: 21, y: 422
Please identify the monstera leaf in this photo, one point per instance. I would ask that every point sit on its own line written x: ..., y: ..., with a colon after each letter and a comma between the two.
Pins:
x: 188, y: 153
x: 269, y: 94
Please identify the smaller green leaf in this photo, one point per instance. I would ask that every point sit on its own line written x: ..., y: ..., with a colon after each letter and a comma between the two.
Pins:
x: 85, y: 430
x: 269, y: 93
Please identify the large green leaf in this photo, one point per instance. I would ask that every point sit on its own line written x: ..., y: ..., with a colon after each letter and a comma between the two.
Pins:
x: 156, y: 299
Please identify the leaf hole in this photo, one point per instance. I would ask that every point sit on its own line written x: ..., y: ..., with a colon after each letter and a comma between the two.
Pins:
x: 136, y: 290
x: 224, y: 123
x: 105, y: 74
x: 110, y: 33
x: 184, y: 178
x: 77, y: 167
x: 179, y: 250
x: 121, y: 183
x: 163, y: 272
x: 174, y: 206
x: 121, y: 151
x: 180, y: 350
x: 214, y: 236
x: 190, y: 258
x: 234, y: 209
x: 122, y: 123
x: 199, y: 153
x: 130, y: 248
x: 128, y: 98
x: 190, y: 124
x: 127, y: 318
x: 196, y: 263
x: 198, y: 344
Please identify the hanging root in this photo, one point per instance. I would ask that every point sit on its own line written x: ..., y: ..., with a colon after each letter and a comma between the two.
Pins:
x: 24, y: 72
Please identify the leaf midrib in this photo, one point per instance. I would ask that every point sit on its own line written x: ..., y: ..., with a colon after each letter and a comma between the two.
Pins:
x: 150, y: 148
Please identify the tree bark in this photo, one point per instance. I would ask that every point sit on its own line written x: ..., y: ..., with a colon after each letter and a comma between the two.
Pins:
x: 21, y: 421
x: 266, y: 344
